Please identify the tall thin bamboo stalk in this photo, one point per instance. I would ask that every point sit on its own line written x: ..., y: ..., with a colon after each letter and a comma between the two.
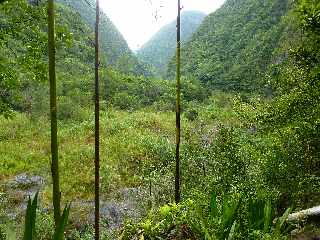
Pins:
x: 56, y: 195
x: 178, y: 108
x: 97, y: 125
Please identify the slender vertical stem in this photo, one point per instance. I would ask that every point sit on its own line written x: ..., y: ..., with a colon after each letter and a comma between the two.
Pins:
x: 53, y: 115
x: 97, y: 132
x: 178, y: 109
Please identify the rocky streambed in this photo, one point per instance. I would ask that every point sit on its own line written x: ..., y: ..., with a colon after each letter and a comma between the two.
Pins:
x: 126, y: 203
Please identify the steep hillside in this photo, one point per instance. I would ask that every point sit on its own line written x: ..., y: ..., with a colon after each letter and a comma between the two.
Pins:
x: 23, y: 54
x: 23, y: 66
x: 161, y: 47
x: 234, y: 45
x: 23, y: 57
x: 113, y: 44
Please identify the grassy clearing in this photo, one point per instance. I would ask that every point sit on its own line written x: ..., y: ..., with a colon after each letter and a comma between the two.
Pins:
x: 222, y: 152
x: 127, y: 141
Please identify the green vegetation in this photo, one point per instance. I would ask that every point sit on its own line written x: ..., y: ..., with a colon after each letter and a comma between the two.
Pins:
x: 217, y: 220
x: 233, y: 46
x: 247, y: 159
x: 113, y: 46
x: 161, y: 47
x: 23, y: 56
x: 30, y: 221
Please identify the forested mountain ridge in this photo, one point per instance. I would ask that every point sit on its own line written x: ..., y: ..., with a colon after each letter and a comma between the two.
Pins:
x: 23, y: 56
x: 233, y: 47
x: 161, y: 47
x: 112, y: 42
x: 248, y: 161
x: 113, y: 45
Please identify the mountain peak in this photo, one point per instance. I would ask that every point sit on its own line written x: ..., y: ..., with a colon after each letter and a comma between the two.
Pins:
x: 161, y: 47
x: 234, y: 46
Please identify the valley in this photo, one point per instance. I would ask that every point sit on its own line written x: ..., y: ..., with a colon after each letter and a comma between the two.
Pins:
x: 250, y: 118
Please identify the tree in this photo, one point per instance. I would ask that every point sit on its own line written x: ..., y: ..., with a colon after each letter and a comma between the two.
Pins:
x: 97, y: 133
x: 178, y: 108
x: 22, y: 47
x: 53, y: 114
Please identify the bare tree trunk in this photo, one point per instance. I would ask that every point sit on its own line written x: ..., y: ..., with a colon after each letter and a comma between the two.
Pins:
x: 311, y: 212
x: 53, y: 114
x: 97, y: 125
x: 178, y: 109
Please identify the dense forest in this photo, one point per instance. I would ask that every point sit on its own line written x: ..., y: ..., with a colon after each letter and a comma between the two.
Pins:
x: 234, y: 46
x: 247, y: 166
x: 161, y: 47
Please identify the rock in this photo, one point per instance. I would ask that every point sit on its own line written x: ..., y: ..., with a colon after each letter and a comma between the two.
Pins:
x: 17, y: 192
x: 24, y: 182
x: 252, y: 130
x: 34, y: 2
x: 113, y: 212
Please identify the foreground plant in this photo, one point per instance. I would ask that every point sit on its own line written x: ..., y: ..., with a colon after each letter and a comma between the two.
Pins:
x: 229, y: 218
x: 30, y: 221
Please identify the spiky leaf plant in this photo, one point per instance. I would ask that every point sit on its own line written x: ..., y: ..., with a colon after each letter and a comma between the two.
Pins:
x: 30, y: 221
x: 30, y: 218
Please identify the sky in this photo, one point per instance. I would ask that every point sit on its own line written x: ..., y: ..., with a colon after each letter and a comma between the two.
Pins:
x: 139, y: 20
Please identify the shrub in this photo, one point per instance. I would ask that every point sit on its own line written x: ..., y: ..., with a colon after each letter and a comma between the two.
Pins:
x: 227, y: 217
x: 124, y: 101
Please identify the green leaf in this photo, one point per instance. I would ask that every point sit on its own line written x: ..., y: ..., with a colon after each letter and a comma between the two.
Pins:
x: 267, y: 216
x: 213, y: 205
x: 10, y: 234
x: 229, y: 214
x: 282, y: 220
x: 30, y: 218
x: 256, y: 214
x: 59, y: 232
x: 232, y: 231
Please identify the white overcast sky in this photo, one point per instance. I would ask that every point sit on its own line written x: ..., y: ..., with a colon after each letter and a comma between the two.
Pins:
x: 138, y: 20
